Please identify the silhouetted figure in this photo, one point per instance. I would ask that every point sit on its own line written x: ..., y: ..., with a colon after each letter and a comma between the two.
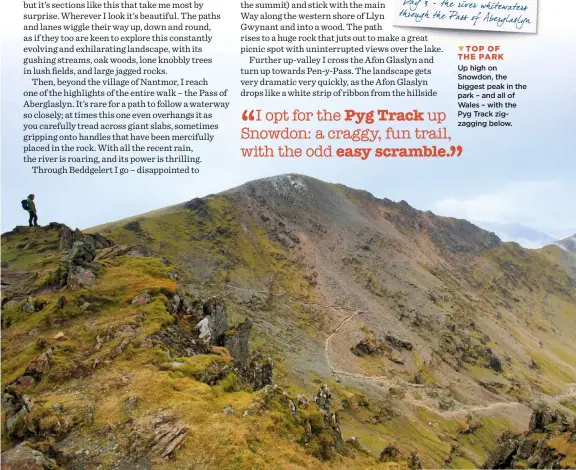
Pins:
x: 29, y: 205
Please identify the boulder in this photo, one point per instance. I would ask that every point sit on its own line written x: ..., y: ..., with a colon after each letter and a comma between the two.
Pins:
x: 142, y: 299
x: 525, y: 448
x: 29, y: 306
x: 366, y: 347
x: 390, y: 453
x: 60, y: 336
x: 11, y: 402
x: 22, y: 457
x: 183, y: 303
x: 259, y: 373
x: 133, y: 226
x: 177, y: 340
x: 332, y: 422
x: 40, y: 365
x: 140, y: 251
x: 79, y: 277
x: 82, y: 253
x: 396, y: 357
x: 26, y: 381
x: 13, y: 420
x: 122, y: 346
x: 175, y: 303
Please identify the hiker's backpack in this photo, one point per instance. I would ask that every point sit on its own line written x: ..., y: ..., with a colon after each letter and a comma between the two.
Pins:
x: 25, y: 204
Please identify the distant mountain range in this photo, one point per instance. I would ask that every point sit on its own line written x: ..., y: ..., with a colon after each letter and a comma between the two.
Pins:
x: 524, y: 236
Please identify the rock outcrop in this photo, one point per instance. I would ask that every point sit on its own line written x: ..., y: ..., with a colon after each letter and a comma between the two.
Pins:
x: 259, y: 372
x: 414, y: 461
x: 535, y: 449
x: 77, y: 268
x: 214, y: 323
x: 331, y: 420
x: 399, y: 343
x: 369, y: 345
x: 389, y: 454
x: 199, y: 206
x: 94, y: 241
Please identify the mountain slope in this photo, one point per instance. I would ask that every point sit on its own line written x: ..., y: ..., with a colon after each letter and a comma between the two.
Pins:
x: 431, y: 333
x: 488, y: 322
x: 405, y: 269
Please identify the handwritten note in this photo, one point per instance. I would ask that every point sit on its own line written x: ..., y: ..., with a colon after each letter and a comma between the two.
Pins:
x: 513, y: 16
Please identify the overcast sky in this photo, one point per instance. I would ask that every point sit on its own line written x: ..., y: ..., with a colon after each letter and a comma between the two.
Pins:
x: 522, y: 174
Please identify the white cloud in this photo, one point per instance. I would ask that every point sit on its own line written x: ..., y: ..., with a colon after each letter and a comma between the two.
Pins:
x: 544, y: 205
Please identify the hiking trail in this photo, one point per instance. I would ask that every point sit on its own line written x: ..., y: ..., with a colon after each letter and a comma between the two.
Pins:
x: 451, y: 413
x: 384, y: 380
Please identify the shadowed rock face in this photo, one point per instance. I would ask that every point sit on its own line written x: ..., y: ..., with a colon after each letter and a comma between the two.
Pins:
x: 236, y: 341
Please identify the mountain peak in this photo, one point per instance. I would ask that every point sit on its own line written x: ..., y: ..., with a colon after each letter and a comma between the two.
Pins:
x: 309, y: 201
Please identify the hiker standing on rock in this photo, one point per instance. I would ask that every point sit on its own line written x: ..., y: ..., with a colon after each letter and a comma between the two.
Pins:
x: 30, y: 206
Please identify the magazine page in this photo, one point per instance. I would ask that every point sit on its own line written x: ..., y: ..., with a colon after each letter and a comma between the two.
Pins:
x: 310, y: 234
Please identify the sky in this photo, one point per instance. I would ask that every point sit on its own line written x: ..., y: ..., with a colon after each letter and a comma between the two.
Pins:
x: 524, y: 174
